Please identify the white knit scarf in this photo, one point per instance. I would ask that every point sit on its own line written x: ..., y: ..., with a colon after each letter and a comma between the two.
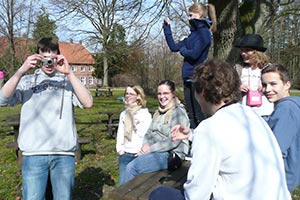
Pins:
x: 129, y: 125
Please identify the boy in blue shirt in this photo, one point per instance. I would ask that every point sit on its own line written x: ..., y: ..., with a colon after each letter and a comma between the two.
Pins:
x: 285, y: 119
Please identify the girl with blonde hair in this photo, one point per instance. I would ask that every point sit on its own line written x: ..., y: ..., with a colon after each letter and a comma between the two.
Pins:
x: 194, y: 48
x: 133, y: 124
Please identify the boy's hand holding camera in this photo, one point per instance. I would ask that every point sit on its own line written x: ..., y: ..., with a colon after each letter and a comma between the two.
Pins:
x: 62, y: 65
x: 58, y: 62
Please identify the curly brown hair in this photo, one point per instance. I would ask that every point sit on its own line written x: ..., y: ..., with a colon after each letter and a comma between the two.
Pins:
x: 218, y: 81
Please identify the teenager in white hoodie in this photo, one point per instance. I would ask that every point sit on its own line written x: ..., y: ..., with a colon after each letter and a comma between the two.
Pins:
x: 235, y: 155
x: 47, y: 134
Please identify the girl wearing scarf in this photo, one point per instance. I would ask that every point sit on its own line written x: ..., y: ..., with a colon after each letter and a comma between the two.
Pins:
x: 133, y: 124
x: 157, y: 144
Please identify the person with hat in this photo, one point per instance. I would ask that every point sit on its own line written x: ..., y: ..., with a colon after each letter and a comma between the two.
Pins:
x: 254, y: 59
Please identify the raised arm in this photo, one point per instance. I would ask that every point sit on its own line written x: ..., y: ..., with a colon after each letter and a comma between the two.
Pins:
x: 9, y: 87
x: 80, y: 90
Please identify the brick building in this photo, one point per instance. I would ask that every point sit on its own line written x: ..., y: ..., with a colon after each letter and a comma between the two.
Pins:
x: 80, y: 59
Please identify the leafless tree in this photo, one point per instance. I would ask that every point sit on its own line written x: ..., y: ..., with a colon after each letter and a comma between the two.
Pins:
x: 15, y: 21
x: 96, y: 18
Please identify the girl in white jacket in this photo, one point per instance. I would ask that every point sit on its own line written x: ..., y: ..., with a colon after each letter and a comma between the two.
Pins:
x: 133, y: 124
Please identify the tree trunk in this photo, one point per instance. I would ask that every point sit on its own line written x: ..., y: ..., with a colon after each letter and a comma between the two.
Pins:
x: 229, y: 29
x: 105, y: 72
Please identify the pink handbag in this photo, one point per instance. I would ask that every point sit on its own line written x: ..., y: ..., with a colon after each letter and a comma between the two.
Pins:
x: 254, y: 98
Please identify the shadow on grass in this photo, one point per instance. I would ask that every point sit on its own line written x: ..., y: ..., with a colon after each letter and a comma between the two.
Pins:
x: 89, y: 184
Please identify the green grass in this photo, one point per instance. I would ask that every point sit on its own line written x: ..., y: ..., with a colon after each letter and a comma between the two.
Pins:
x: 96, y: 174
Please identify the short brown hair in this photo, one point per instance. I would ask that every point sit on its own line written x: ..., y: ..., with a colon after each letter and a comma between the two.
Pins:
x: 279, y: 69
x: 47, y: 44
x: 219, y: 81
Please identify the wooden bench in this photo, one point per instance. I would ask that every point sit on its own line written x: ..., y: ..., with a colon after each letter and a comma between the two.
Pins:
x: 81, y: 141
x: 14, y: 121
x: 106, y: 92
x: 111, y: 122
x: 112, y: 130
x: 141, y: 186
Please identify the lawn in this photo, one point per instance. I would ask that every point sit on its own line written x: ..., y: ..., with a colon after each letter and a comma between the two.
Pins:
x: 97, y: 172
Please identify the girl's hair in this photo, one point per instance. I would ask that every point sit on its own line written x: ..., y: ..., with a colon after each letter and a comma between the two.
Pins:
x: 208, y: 11
x: 197, y: 7
x: 219, y: 81
x: 141, y: 101
x: 47, y: 44
x: 260, y: 59
x: 279, y: 69
x: 169, y: 83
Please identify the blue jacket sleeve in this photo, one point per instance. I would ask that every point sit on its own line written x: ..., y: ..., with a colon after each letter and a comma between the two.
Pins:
x: 174, y: 47
x: 284, y: 116
x: 285, y: 123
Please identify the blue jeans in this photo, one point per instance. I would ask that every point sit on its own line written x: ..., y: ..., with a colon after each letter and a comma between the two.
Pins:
x: 123, y: 162
x: 35, y: 171
x: 194, y: 110
x: 166, y: 193
x: 146, y: 163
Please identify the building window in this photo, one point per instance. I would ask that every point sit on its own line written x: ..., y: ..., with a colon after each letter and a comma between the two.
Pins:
x: 90, y: 69
x: 83, y: 80
x: 82, y: 69
x: 74, y: 68
x: 91, y: 80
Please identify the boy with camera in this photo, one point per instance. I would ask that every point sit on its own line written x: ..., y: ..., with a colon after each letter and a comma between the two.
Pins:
x: 47, y: 137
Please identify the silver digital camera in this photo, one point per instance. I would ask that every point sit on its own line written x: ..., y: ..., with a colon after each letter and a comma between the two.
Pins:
x: 47, y: 62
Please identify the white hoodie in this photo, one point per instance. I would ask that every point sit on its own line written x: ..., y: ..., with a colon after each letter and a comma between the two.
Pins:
x: 47, y: 116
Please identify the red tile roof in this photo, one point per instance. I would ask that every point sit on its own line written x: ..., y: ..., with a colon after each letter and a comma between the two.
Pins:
x: 76, y: 53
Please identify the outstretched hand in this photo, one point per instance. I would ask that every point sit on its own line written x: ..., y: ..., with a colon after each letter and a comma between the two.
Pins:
x: 180, y: 132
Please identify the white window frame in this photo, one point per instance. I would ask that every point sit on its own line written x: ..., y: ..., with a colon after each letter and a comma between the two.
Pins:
x: 74, y: 68
x: 91, y: 80
x: 83, y: 80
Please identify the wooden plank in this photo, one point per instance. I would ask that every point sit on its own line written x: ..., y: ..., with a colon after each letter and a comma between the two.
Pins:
x: 174, y: 179
x: 152, y: 181
x: 104, y: 92
x: 114, y: 120
x: 12, y: 145
x: 141, y: 186
x: 84, y: 140
x: 120, y: 192
x: 11, y: 120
